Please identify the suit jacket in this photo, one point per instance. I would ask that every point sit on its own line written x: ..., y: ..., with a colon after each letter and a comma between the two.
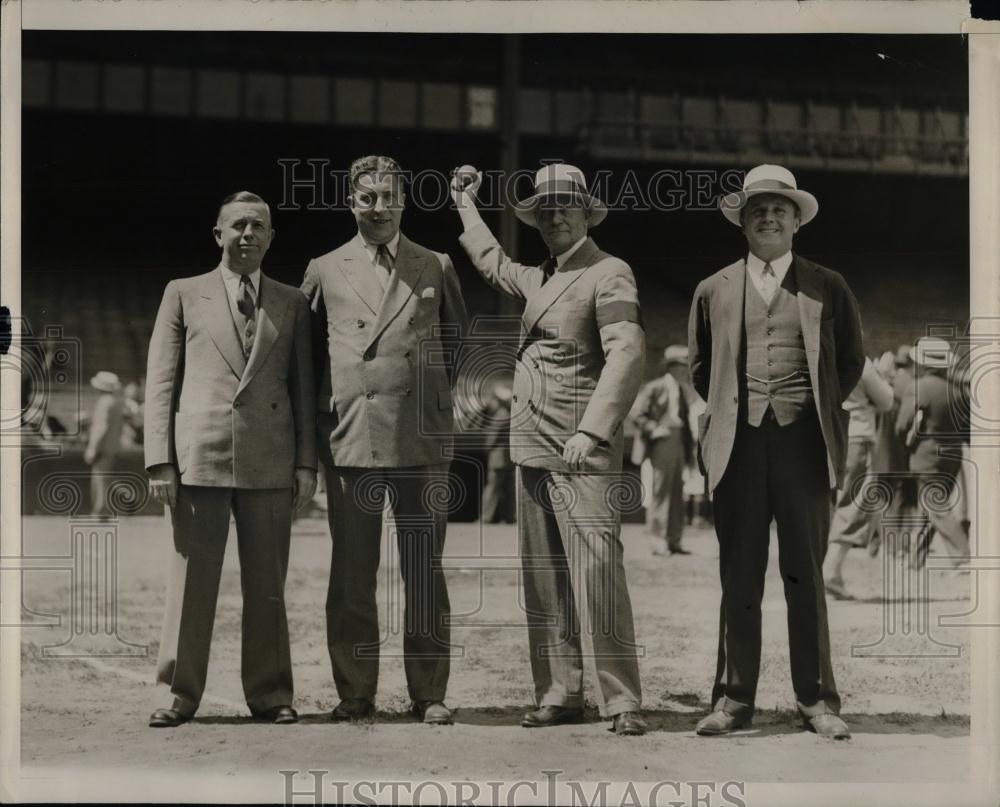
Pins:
x: 223, y: 420
x: 389, y: 360
x: 580, y: 355
x: 831, y: 329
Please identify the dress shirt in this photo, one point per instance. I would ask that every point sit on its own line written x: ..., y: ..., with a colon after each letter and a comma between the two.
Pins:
x: 372, y: 249
x: 755, y: 268
x: 562, y: 257
x: 232, y: 281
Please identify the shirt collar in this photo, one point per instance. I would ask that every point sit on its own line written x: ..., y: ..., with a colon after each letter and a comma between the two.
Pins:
x: 232, y: 278
x: 562, y: 257
x: 780, y: 266
x: 372, y: 249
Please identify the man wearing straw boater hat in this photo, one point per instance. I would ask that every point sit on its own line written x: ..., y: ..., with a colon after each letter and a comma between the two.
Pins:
x: 579, y: 366
x: 775, y: 348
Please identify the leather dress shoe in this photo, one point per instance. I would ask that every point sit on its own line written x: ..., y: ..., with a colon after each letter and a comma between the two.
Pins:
x: 829, y: 726
x: 679, y: 550
x: 552, y: 716
x: 630, y: 724
x: 353, y: 709
x: 167, y: 719
x: 721, y: 722
x: 279, y: 715
x: 434, y: 713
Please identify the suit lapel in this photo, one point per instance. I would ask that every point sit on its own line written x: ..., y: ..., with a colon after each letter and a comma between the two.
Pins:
x: 357, y: 268
x: 810, y: 298
x: 543, y: 299
x: 735, y: 289
x: 219, y: 321
x: 270, y: 316
x: 406, y: 271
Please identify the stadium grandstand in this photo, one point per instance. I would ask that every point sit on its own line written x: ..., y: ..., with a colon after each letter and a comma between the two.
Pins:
x: 130, y: 139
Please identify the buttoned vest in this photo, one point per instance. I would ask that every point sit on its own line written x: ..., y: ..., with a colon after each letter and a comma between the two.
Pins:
x: 775, y: 370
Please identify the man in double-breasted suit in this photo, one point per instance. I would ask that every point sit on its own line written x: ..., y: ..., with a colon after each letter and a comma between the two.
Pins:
x: 388, y: 317
x: 230, y: 428
x: 775, y: 347
x: 579, y: 367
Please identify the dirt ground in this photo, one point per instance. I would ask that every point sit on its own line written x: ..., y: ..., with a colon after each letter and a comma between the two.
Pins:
x: 909, y: 711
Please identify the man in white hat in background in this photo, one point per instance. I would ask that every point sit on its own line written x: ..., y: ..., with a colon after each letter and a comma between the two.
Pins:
x: 664, y: 438
x: 579, y: 367
x: 776, y: 347
x: 104, y: 441
x: 933, y: 425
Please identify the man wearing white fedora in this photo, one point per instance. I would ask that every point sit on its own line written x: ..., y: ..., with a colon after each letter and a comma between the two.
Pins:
x: 579, y: 366
x: 104, y: 441
x: 775, y: 349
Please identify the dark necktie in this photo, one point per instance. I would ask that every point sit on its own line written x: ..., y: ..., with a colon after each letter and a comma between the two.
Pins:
x: 383, y: 265
x: 548, y: 269
x: 246, y: 303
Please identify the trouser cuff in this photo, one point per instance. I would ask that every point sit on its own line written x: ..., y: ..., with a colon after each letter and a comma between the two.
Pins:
x: 734, y: 708
x: 610, y: 710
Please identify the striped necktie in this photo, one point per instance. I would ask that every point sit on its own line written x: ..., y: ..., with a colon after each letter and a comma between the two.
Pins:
x: 246, y: 303
x: 768, y: 283
x: 383, y: 265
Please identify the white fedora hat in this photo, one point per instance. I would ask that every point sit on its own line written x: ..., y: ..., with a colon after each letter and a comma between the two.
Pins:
x: 769, y: 179
x: 560, y: 179
x: 105, y: 381
x: 932, y: 351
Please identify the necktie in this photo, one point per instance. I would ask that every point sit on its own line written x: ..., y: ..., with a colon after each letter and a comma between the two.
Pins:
x: 383, y: 265
x: 246, y: 303
x: 768, y: 283
x: 548, y: 269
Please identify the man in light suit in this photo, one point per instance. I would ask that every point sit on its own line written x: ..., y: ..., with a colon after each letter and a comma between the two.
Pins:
x: 775, y: 346
x: 230, y: 428
x: 579, y: 367
x: 388, y: 315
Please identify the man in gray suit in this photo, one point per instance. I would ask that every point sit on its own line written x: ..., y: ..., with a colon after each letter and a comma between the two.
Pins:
x: 775, y: 347
x: 579, y: 367
x: 230, y: 429
x: 388, y: 316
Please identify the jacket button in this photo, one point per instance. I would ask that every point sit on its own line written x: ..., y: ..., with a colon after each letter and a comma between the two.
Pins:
x: 370, y: 395
x: 514, y: 398
x: 411, y: 320
x: 406, y: 391
x: 236, y: 404
x: 406, y: 355
x: 734, y: 399
x: 361, y: 323
x: 274, y: 406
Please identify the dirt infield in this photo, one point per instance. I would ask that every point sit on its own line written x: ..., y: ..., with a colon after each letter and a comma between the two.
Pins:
x: 907, y: 712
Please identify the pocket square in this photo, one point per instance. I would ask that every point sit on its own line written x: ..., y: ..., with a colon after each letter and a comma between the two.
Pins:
x: 427, y: 293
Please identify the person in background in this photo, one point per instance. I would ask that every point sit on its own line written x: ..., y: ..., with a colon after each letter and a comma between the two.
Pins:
x: 132, y: 435
x: 498, y: 493
x: 660, y: 415
x: 105, y: 439
x: 933, y: 428
x: 852, y: 523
